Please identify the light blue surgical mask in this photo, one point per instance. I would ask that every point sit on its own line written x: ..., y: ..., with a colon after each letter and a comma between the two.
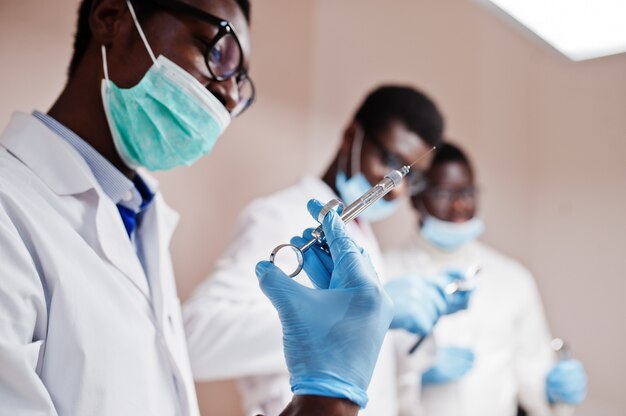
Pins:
x: 168, y: 119
x: 351, y: 189
x: 448, y: 235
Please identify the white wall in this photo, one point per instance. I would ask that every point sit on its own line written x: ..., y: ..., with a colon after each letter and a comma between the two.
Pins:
x: 548, y: 137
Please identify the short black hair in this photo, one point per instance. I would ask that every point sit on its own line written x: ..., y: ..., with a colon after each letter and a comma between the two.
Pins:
x: 448, y: 153
x: 83, y: 32
x: 406, y: 104
x: 445, y: 153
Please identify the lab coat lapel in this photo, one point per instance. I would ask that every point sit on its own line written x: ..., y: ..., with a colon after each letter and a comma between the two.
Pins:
x: 47, y: 155
x: 156, y: 230
x: 159, y: 223
x: 116, y: 245
x: 60, y: 166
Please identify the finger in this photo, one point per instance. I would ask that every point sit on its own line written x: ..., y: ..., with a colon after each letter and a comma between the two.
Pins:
x: 346, y: 254
x: 317, y: 264
x: 321, y: 254
x: 324, y: 257
x: 339, y: 241
x: 451, y: 274
x: 568, y: 368
x: 314, y: 207
x: 276, y: 285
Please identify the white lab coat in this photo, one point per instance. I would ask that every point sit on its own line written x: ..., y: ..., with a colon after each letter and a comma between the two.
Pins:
x: 505, y: 327
x: 83, y: 331
x: 233, y: 331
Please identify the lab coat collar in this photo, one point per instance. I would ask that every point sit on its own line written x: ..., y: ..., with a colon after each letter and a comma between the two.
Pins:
x: 65, y: 172
x: 36, y: 146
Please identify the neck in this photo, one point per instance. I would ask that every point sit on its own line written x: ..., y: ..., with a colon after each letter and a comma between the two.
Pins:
x: 80, y: 108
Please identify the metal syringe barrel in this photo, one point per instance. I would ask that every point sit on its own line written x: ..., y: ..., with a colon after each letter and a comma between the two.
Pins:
x: 382, y: 188
x: 390, y: 181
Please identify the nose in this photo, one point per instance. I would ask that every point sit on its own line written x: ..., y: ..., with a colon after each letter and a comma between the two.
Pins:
x: 226, y: 91
x: 460, y: 204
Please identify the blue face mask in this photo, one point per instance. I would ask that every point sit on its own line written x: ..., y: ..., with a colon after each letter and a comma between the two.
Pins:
x: 169, y: 119
x: 450, y: 236
x: 351, y: 189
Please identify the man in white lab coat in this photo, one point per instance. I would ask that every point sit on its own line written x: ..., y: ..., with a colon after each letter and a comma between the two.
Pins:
x: 496, y: 353
x: 90, y: 323
x: 227, y: 320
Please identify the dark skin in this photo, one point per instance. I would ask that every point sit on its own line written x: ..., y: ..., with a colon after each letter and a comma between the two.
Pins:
x: 446, y: 196
x: 404, y: 144
x: 180, y: 39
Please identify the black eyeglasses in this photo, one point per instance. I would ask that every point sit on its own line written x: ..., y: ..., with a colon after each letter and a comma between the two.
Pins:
x: 415, y: 179
x: 446, y: 195
x: 223, y: 55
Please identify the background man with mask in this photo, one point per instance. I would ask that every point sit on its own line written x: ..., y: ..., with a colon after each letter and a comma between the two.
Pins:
x: 90, y: 321
x: 497, y: 352
x: 226, y: 320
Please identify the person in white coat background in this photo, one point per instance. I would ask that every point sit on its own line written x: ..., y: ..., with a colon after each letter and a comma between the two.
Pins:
x: 226, y: 318
x: 496, y: 354
x: 90, y: 322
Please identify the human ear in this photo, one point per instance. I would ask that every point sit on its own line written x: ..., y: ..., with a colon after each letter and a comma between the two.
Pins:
x: 107, y: 19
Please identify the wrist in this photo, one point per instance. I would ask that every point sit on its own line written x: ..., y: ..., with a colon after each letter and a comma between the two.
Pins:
x: 331, y: 387
x: 309, y: 405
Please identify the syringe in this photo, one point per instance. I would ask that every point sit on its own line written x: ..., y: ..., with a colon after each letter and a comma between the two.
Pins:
x: 382, y: 188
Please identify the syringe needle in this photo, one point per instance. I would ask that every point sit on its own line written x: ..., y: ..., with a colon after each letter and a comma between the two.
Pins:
x: 422, y: 156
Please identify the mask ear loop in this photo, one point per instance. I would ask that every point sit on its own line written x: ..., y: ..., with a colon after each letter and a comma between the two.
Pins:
x: 141, y: 34
x: 104, y: 62
x: 355, y: 154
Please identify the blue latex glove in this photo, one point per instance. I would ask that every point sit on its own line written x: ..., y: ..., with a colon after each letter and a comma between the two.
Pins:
x: 567, y: 382
x: 419, y: 302
x: 331, y: 335
x: 452, y: 363
x: 459, y: 300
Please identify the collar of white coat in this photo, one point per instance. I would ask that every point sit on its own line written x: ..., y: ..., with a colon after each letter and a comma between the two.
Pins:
x: 59, y: 165
x: 47, y: 155
x: 37, y: 146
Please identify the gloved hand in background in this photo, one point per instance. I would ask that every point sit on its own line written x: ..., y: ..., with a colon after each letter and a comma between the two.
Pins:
x: 460, y: 299
x: 452, y: 363
x: 567, y: 383
x: 419, y: 302
x: 331, y: 335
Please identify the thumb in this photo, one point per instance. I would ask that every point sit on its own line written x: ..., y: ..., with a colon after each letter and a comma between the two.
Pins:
x: 276, y: 285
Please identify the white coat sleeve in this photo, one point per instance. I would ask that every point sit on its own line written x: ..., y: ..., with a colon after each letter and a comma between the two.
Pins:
x: 534, y: 357
x: 232, y: 329
x: 23, y: 316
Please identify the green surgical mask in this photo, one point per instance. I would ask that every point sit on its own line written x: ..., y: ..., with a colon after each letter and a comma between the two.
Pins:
x: 168, y: 119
